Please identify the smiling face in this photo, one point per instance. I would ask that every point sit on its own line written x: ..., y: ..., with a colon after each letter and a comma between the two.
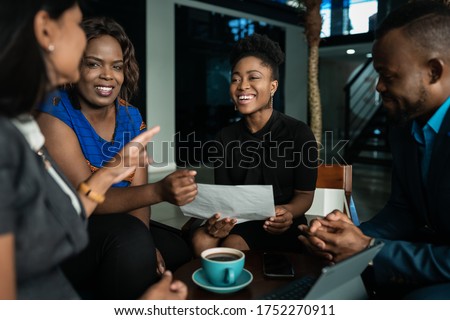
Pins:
x: 101, y: 75
x: 252, y: 86
x: 405, y: 83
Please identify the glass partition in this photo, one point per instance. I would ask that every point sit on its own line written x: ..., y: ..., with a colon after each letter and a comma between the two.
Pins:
x: 344, y: 17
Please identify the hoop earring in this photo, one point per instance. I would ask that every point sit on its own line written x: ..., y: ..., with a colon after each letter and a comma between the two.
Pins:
x: 51, y: 47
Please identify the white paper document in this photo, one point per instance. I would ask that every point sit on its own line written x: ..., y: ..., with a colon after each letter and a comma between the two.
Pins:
x: 249, y: 202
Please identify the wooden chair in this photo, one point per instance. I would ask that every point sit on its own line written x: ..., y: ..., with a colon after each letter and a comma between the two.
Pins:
x: 339, y: 177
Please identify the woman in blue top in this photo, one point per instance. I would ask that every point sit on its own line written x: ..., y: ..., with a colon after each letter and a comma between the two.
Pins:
x: 84, y: 127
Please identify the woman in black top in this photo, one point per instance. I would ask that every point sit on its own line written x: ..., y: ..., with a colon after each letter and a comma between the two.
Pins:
x: 266, y: 148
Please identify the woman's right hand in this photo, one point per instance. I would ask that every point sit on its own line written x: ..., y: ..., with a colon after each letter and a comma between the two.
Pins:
x: 219, y: 228
x: 133, y: 155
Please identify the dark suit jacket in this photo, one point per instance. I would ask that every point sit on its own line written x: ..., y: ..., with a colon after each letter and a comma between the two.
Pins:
x: 46, y: 228
x: 415, y: 223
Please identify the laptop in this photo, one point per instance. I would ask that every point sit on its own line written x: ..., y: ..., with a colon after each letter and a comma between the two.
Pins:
x: 336, y: 282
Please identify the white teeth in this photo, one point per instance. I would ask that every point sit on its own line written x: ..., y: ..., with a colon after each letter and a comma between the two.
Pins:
x: 245, y: 97
x: 108, y: 89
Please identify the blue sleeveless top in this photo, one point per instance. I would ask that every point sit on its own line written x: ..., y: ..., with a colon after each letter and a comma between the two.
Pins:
x: 96, y: 150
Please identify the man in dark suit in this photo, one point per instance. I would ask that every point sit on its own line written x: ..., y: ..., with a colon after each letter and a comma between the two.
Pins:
x: 411, y: 54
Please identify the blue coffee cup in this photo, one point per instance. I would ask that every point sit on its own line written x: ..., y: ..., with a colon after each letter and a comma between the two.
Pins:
x: 222, y: 266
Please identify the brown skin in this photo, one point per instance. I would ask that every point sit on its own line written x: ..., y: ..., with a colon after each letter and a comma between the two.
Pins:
x: 7, y: 268
x: 413, y: 84
x: 251, y: 87
x: 100, y: 83
x: 166, y: 289
x: 333, y: 238
x: 69, y: 41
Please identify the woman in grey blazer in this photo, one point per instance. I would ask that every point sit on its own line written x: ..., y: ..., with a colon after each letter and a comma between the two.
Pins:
x: 43, y: 219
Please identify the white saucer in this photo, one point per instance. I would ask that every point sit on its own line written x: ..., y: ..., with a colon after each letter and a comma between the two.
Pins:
x: 244, y: 280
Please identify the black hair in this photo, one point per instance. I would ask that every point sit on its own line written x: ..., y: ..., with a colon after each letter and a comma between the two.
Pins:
x: 259, y: 46
x: 426, y: 23
x: 23, y: 75
x: 99, y: 26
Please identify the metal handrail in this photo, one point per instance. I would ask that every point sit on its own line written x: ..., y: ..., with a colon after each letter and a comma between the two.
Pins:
x: 353, y: 88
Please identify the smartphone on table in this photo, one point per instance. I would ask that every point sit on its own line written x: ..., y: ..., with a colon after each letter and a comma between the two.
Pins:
x: 277, y: 265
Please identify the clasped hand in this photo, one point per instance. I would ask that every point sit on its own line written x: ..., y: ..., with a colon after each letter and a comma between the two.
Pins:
x: 334, y: 237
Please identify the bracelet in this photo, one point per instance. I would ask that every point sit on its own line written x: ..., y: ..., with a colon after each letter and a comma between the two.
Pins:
x: 92, y: 195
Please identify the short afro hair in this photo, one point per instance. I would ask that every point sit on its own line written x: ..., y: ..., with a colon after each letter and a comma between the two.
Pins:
x: 426, y: 23
x: 259, y: 46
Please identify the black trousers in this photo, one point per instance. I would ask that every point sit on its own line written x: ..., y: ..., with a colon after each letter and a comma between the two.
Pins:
x: 120, y: 260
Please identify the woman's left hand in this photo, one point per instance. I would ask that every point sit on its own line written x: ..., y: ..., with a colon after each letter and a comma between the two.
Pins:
x: 281, y: 222
x: 160, y: 264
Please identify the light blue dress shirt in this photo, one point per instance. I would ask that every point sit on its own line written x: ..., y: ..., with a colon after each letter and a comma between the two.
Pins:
x: 426, y: 135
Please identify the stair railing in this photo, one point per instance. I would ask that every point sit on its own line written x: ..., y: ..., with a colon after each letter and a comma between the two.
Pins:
x: 360, y: 101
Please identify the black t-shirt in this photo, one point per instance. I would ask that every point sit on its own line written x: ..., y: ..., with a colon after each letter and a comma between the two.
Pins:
x: 282, y: 154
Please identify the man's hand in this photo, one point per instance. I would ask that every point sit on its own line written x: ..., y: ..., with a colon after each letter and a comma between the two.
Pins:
x: 166, y: 289
x: 280, y: 223
x: 333, y: 238
x: 178, y: 188
x: 219, y: 228
x: 313, y: 244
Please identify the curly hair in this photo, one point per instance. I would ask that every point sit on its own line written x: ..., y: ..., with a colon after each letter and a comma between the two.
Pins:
x: 259, y: 46
x: 100, y: 26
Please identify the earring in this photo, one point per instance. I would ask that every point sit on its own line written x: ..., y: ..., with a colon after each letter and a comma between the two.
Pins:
x: 235, y: 108
x: 51, y: 47
x: 271, y: 100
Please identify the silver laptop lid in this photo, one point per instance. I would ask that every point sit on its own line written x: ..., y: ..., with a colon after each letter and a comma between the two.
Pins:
x: 343, y: 280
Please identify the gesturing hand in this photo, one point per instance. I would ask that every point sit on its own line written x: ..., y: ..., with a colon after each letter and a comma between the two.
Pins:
x: 133, y: 155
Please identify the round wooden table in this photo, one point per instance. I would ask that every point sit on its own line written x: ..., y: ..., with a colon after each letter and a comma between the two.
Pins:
x: 261, y: 285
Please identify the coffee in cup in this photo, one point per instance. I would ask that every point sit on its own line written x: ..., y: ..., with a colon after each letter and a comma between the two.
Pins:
x: 222, y: 266
x: 221, y: 256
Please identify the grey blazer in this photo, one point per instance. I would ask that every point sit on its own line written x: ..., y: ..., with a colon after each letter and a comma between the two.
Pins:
x: 46, y: 227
